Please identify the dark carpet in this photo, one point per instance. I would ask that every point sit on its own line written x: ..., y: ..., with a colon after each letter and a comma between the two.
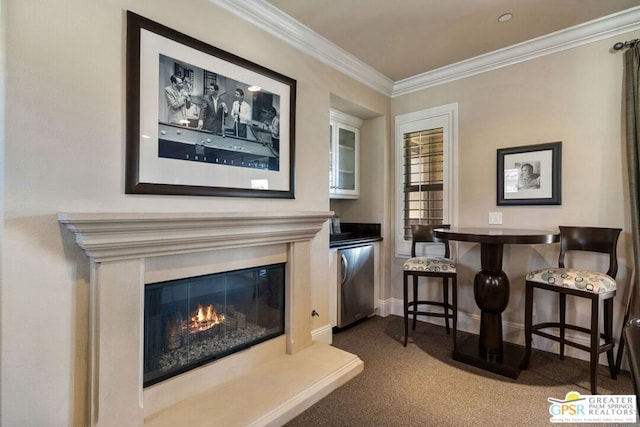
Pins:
x: 420, y: 385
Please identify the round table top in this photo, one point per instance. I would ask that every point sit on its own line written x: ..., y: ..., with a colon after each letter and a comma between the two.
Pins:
x: 498, y: 235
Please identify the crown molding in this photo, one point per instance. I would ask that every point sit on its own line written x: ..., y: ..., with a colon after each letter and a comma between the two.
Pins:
x: 589, y: 32
x: 275, y: 22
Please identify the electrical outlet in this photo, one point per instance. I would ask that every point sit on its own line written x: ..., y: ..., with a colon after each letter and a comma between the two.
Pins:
x: 495, y: 218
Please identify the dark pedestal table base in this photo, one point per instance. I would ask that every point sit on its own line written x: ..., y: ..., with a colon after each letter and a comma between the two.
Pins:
x: 491, y: 292
x: 468, y: 352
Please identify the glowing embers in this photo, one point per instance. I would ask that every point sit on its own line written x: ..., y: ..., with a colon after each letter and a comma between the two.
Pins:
x: 205, y: 319
x: 177, y: 329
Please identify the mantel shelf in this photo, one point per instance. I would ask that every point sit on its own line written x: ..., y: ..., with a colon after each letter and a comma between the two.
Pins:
x: 111, y: 236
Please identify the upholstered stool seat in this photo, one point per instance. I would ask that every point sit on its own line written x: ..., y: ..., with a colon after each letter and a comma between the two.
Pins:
x: 430, y: 266
x: 436, y: 264
x: 598, y: 287
x: 581, y: 280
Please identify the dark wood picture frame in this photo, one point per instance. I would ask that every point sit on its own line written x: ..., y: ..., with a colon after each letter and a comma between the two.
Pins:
x: 240, y: 158
x: 530, y: 175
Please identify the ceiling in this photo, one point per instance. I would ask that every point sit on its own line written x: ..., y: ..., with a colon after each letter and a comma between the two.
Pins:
x: 405, y: 38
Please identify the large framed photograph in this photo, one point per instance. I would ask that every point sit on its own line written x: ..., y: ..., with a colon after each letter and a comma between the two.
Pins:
x: 202, y: 121
x: 530, y: 175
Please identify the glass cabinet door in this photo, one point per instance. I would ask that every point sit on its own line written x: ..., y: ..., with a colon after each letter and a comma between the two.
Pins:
x: 346, y: 159
x: 344, y: 142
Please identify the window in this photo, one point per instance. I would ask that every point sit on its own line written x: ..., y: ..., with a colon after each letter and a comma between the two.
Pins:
x: 425, y: 166
x: 423, y: 178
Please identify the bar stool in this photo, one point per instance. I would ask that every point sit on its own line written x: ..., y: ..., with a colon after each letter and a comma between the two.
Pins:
x: 425, y: 266
x: 592, y: 285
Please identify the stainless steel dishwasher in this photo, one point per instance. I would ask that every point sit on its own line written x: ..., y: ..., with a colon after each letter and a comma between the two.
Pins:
x: 355, y: 284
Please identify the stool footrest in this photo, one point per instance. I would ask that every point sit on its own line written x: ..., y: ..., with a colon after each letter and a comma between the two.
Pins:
x: 412, y: 308
x: 437, y: 304
x: 537, y: 330
x: 429, y: 313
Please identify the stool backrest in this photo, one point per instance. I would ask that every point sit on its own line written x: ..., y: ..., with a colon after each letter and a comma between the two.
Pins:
x: 590, y: 239
x: 424, y: 234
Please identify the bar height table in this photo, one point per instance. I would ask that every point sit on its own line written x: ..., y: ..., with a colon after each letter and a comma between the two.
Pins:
x: 491, y: 292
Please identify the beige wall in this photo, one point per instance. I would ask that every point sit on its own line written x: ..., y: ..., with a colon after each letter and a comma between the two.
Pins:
x: 65, y: 128
x: 572, y: 96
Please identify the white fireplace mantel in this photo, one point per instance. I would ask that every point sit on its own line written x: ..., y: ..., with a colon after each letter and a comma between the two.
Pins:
x: 112, y: 236
x: 125, y: 249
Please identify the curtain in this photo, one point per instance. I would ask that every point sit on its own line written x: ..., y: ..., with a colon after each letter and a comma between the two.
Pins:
x: 632, y: 102
x: 632, y: 119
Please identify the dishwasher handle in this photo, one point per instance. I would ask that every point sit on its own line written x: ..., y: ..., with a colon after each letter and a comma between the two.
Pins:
x: 344, y: 268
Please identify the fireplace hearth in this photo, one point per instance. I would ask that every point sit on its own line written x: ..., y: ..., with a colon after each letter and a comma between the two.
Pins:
x: 193, y: 321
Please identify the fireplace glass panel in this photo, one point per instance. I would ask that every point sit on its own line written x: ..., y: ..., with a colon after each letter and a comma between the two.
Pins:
x: 193, y: 321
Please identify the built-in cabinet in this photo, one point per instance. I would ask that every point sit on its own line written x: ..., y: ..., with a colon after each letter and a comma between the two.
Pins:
x: 344, y: 155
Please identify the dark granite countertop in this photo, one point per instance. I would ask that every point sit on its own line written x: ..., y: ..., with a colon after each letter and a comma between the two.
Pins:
x: 355, y: 233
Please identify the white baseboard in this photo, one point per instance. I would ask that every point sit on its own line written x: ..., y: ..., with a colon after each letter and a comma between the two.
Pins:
x: 385, y: 307
x: 323, y: 334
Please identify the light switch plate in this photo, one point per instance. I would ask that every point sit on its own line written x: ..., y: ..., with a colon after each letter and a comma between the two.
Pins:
x: 495, y: 218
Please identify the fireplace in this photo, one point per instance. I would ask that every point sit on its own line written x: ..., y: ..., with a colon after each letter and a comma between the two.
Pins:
x: 192, y: 321
x: 265, y: 384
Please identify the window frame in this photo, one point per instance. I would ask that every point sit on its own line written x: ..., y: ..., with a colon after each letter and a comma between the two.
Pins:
x: 446, y: 117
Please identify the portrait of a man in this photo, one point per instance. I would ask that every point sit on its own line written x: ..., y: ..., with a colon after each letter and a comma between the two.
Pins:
x: 529, y: 176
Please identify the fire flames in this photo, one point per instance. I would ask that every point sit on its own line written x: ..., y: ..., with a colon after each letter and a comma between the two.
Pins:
x: 205, y: 318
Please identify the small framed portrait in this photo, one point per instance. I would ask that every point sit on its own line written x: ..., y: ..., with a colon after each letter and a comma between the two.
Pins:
x: 530, y: 175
